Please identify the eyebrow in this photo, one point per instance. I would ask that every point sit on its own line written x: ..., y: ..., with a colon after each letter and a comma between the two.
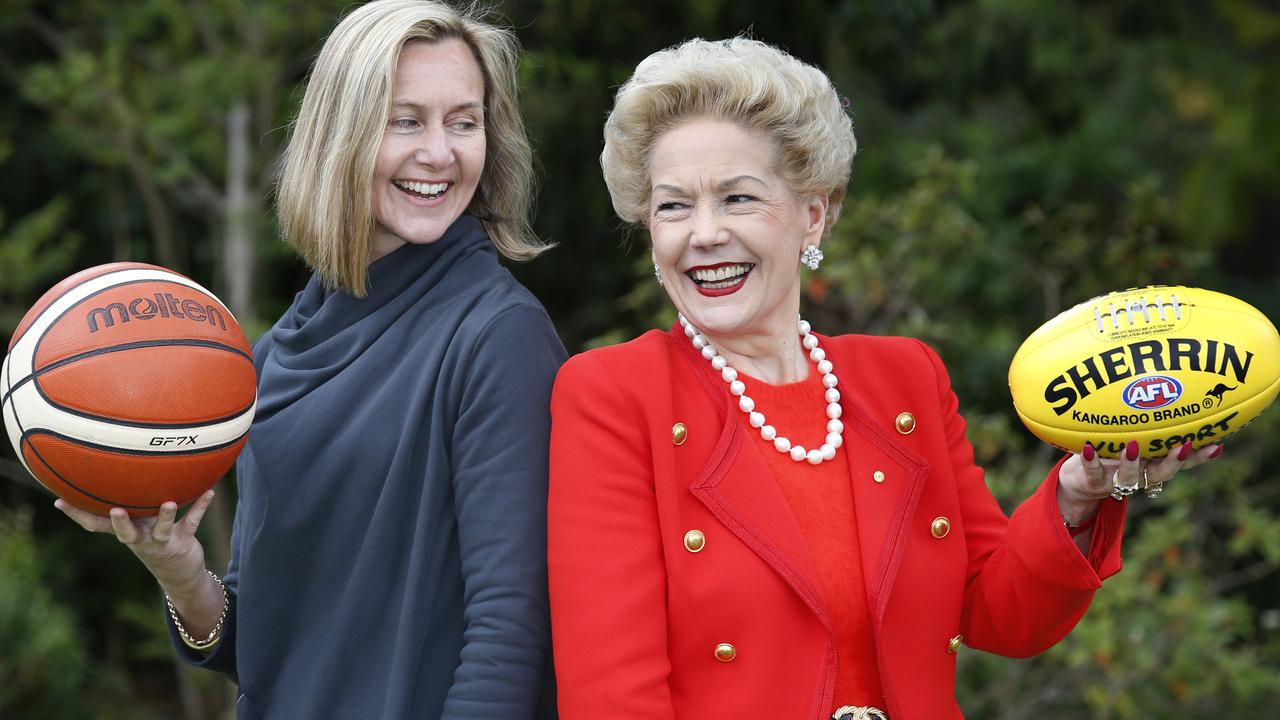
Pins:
x: 739, y: 179
x: 473, y: 105
x: 723, y: 185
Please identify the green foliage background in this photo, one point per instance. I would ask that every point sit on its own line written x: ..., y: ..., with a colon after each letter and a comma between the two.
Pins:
x: 1017, y: 157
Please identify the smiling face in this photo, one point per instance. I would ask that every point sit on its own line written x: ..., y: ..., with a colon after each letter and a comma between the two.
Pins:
x: 727, y: 230
x: 433, y: 147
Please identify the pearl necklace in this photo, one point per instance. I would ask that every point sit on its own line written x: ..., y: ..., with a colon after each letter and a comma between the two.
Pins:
x: 756, y: 419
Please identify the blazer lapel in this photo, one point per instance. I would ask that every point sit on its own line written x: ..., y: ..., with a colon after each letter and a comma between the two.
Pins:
x: 742, y: 493
x: 888, y: 479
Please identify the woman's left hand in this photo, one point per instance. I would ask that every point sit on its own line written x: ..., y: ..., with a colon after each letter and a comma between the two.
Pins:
x: 1086, y: 478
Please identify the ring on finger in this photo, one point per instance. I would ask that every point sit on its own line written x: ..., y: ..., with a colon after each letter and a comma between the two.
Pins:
x: 1153, y: 489
x: 1121, y: 492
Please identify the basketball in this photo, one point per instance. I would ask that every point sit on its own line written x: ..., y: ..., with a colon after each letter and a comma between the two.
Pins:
x: 127, y: 385
x: 1161, y: 365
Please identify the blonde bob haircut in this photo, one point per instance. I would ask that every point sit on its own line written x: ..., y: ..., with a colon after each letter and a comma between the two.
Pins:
x: 324, y: 190
x: 743, y: 81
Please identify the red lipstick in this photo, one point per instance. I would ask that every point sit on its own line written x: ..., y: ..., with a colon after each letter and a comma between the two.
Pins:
x: 736, y: 285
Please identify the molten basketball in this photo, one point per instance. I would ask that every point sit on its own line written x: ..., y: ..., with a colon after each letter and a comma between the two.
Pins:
x: 1160, y: 365
x: 127, y: 385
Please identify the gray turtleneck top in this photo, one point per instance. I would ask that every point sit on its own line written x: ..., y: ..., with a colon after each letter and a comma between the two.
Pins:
x: 389, y: 548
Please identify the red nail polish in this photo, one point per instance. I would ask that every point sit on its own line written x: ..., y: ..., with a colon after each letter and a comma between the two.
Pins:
x: 1131, y: 450
x: 1216, y: 452
x: 1184, y: 452
x: 1088, y: 453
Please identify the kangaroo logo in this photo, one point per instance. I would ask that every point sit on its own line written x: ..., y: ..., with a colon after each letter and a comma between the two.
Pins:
x: 1217, y: 392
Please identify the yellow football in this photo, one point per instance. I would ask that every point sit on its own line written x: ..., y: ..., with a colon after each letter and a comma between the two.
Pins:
x: 1162, y: 365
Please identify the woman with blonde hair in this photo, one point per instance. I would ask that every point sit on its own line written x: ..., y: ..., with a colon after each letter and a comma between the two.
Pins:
x: 748, y: 519
x: 388, y: 555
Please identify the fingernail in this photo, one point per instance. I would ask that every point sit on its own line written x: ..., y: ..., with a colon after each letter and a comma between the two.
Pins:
x: 1088, y: 453
x: 1131, y: 450
x: 1184, y: 452
x: 1216, y: 452
x: 58, y: 503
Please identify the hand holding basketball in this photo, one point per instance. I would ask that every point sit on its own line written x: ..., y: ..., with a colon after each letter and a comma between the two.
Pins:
x: 166, y: 546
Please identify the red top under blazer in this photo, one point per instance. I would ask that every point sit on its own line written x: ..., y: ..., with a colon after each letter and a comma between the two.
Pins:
x: 646, y: 629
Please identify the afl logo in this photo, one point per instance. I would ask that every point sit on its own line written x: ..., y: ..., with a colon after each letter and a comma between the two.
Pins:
x: 1151, y: 392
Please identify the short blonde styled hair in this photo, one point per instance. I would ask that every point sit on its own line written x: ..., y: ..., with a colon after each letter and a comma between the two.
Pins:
x: 743, y: 81
x: 324, y: 190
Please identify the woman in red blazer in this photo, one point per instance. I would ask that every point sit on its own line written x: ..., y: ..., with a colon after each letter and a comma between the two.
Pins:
x: 748, y: 519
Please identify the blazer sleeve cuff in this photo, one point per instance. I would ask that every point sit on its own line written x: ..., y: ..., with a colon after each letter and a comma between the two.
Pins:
x: 1040, y: 537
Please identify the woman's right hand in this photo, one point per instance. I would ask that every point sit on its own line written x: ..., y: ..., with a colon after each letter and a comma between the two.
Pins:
x: 166, y: 546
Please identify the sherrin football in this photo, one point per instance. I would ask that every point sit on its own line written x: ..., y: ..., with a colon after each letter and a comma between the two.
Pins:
x: 1161, y: 365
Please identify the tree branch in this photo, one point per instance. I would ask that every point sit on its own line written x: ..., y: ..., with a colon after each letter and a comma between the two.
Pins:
x: 195, y: 185
x: 1244, y: 576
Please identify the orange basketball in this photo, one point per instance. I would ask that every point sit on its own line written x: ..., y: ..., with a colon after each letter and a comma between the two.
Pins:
x: 128, y: 385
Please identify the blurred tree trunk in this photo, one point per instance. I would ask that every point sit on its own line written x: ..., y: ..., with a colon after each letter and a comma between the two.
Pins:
x: 163, y: 241
x: 193, y: 707
x: 241, y: 214
x: 121, y: 247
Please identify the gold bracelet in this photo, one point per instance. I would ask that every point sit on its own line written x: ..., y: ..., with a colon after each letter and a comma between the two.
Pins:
x: 215, y: 634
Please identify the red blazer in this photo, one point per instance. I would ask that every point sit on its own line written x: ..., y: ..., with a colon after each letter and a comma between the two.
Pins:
x: 641, y: 624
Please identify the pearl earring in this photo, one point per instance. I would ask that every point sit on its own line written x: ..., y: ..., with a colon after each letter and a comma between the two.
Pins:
x: 811, y: 257
x: 657, y: 273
